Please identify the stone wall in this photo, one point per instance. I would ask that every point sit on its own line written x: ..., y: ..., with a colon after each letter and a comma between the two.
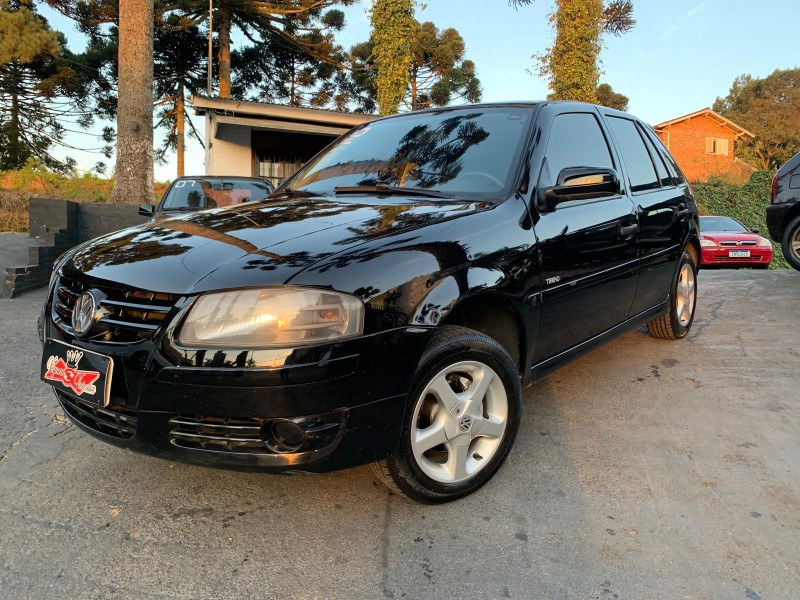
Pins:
x: 55, y: 226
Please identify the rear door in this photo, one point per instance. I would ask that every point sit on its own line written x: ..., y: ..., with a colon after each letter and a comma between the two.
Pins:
x: 587, y: 247
x: 662, y: 208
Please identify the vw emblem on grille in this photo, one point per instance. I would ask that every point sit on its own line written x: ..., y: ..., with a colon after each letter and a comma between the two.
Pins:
x: 465, y: 424
x: 83, y: 313
x: 738, y: 242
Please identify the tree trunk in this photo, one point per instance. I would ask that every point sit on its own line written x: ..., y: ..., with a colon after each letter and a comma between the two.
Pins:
x: 414, y: 87
x: 134, y: 167
x: 224, y: 53
x: 180, y: 127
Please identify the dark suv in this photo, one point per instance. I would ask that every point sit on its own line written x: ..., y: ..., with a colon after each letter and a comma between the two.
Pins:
x: 783, y: 213
x: 387, y: 304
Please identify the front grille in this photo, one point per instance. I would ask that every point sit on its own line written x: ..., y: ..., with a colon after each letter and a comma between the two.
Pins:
x: 238, y: 436
x: 113, y: 420
x: 735, y: 243
x: 125, y: 315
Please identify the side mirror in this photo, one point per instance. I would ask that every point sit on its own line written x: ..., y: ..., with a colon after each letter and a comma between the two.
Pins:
x: 579, y: 183
x: 754, y: 229
x: 147, y: 210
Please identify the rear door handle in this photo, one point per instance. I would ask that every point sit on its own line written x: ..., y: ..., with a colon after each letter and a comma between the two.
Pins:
x: 628, y: 230
x: 683, y: 212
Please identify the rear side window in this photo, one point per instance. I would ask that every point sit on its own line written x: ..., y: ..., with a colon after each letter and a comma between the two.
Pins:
x: 641, y: 172
x: 661, y: 168
x: 672, y: 166
x: 576, y: 140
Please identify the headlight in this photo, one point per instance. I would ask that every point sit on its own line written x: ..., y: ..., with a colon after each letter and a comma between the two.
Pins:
x: 272, y: 317
x: 764, y: 242
x: 707, y: 242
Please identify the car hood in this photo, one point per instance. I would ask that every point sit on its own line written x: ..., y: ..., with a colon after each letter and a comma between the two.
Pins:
x: 263, y: 243
x: 730, y: 236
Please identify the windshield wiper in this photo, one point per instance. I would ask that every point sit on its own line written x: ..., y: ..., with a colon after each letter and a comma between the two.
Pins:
x: 183, y: 208
x: 390, y: 190
x: 291, y: 193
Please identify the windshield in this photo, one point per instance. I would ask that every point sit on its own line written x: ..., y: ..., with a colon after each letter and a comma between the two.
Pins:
x: 470, y: 152
x: 197, y: 193
x: 722, y: 224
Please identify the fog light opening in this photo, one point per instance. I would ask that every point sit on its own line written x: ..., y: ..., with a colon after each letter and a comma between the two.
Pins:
x: 283, y: 436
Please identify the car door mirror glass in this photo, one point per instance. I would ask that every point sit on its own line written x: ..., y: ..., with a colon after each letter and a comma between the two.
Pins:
x: 147, y: 210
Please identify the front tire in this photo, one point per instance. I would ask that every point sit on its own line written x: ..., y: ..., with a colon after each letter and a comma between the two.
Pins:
x: 462, y: 418
x: 790, y: 243
x: 676, y: 323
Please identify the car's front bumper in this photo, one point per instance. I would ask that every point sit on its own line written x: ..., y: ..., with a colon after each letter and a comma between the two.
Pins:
x: 720, y: 257
x: 348, y: 399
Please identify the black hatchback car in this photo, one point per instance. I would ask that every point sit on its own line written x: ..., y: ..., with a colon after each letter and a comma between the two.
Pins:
x: 387, y: 304
x: 783, y: 212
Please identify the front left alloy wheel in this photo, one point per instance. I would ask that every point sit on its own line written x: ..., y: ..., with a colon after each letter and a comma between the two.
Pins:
x: 462, y: 419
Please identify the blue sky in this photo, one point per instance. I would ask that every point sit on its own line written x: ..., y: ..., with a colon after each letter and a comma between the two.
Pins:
x: 681, y: 55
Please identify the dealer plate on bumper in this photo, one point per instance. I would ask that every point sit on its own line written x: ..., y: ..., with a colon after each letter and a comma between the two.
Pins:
x: 77, y: 372
x: 739, y: 253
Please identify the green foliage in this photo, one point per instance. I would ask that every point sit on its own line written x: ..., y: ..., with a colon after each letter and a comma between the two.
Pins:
x: 392, y: 34
x: 438, y: 71
x: 39, y: 88
x: 572, y: 63
x: 769, y: 108
x: 34, y: 180
x: 746, y: 203
x: 606, y: 96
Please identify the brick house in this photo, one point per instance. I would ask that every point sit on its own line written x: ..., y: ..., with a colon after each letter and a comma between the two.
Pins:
x: 703, y: 144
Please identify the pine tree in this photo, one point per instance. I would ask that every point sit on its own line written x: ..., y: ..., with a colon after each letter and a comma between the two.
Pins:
x: 40, y: 91
x: 134, y: 162
x: 572, y: 63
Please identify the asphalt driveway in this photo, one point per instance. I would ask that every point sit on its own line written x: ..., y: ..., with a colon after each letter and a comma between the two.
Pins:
x: 648, y: 469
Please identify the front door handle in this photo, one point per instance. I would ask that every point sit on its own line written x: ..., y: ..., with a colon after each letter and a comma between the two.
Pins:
x: 628, y: 230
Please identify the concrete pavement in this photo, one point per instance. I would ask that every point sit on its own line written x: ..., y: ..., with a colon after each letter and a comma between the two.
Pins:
x: 647, y: 469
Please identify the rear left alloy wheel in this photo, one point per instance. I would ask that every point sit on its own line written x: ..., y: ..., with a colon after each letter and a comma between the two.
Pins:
x: 462, y: 419
x: 676, y: 323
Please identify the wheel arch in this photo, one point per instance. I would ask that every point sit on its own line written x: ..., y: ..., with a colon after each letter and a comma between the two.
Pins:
x: 496, y: 317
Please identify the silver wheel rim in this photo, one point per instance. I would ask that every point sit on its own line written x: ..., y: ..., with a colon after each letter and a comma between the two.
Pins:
x: 794, y: 243
x: 459, y: 422
x: 684, y: 296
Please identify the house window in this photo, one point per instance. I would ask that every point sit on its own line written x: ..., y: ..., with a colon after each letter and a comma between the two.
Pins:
x: 717, y: 146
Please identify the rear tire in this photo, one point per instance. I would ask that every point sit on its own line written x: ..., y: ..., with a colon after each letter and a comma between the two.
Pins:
x: 461, y: 420
x: 790, y: 243
x: 676, y: 323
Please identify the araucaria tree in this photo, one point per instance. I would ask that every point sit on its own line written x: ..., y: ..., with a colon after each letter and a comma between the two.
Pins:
x: 572, y: 63
x: 770, y: 108
x: 134, y: 170
x: 438, y: 71
x: 39, y: 89
x: 392, y: 35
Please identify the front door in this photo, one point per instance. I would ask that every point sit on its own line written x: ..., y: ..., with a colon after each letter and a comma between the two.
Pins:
x: 587, y: 248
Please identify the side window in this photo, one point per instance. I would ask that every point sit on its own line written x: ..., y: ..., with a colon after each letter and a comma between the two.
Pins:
x: 661, y: 169
x: 641, y: 172
x: 576, y: 140
x: 672, y: 166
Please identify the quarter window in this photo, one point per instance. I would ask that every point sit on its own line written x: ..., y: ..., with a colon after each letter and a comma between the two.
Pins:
x: 641, y: 172
x: 663, y: 175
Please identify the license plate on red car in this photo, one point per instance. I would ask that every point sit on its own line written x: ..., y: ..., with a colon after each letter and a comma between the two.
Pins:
x: 739, y: 253
x: 77, y: 372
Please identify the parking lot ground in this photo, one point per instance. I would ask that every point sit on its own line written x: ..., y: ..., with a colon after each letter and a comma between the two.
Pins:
x: 647, y: 469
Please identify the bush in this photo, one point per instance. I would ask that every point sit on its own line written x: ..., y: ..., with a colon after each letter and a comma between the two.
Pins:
x: 746, y: 203
x: 33, y: 181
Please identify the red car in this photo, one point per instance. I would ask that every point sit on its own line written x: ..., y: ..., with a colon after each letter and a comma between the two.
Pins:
x: 726, y: 242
